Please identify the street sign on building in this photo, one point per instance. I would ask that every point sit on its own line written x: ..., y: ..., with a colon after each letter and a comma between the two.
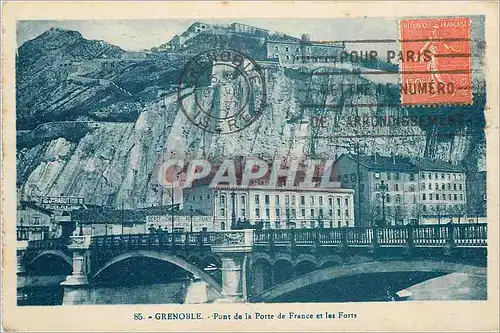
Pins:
x: 62, y: 203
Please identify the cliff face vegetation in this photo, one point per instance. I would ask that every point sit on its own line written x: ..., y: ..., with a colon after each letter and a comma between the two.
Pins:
x: 96, y: 121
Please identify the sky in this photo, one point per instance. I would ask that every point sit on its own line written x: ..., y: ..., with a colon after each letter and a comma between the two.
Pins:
x: 132, y: 35
x: 144, y: 34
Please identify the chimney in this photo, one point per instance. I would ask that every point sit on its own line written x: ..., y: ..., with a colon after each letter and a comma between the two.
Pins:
x: 393, y: 158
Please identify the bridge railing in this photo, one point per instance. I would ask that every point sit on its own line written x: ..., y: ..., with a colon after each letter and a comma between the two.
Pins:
x: 153, y: 240
x: 470, y: 234
x: 415, y: 235
x: 48, y: 244
x: 430, y: 235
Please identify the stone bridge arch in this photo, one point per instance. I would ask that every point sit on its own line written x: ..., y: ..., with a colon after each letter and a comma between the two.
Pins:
x: 389, y: 266
x: 180, y: 262
x: 56, y: 253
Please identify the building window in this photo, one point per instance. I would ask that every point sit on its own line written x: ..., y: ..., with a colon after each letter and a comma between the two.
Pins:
x: 429, y: 175
x: 443, y: 196
x: 423, y: 186
x: 257, y: 199
x: 338, y: 213
x: 460, y: 187
x: 287, y: 57
x: 423, y: 196
x: 243, y: 200
x: 330, y: 212
x: 388, y: 176
x: 442, y: 176
x: 396, y: 187
x: 294, y: 213
x: 320, y: 212
x: 277, y: 212
x: 267, y: 213
x: 346, y: 214
x: 193, y: 198
x: 398, y: 198
x: 277, y: 200
x: 462, y: 197
x: 455, y: 197
x: 302, y: 200
x: 266, y: 199
x: 287, y: 49
x: 424, y: 208
x: 346, y: 178
x: 338, y: 201
x: 449, y: 196
x: 455, y: 187
x: 346, y: 201
x: 303, y: 212
x: 454, y: 177
x: 414, y: 199
x: 353, y: 177
x: 442, y: 186
x: 311, y: 199
x: 436, y: 176
x: 320, y: 200
x: 257, y: 212
x: 422, y: 175
x: 37, y: 220
x: 287, y: 200
x: 412, y: 177
x: 387, y: 198
x: 223, y: 205
x: 276, y: 48
x: 449, y: 186
x: 412, y: 188
x: 293, y: 201
x: 277, y: 224
x: 430, y: 196
x: 396, y: 175
x: 436, y: 186
x: 312, y: 212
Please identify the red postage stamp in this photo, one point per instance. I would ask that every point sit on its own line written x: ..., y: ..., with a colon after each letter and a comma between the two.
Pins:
x: 435, y: 61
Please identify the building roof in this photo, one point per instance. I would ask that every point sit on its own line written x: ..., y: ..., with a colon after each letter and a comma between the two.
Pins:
x: 403, y: 163
x: 284, y: 38
x: 428, y: 164
x: 126, y: 216
x: 33, y: 205
x: 382, y: 163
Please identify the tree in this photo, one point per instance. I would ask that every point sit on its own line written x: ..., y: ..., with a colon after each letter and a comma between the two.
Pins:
x: 459, y: 210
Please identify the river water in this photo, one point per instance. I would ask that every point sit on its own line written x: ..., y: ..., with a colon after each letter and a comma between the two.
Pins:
x: 177, y: 292
x: 365, y: 288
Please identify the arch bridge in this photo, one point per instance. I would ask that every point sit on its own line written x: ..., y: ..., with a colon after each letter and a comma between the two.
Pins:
x: 262, y: 265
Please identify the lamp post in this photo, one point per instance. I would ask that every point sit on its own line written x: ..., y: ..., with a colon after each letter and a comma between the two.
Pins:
x: 172, y: 208
x: 383, y: 190
x: 233, y: 213
x: 191, y: 215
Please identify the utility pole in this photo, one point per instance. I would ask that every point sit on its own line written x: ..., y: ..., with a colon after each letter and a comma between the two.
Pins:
x: 122, y: 216
x: 357, y: 150
x: 383, y: 191
x: 172, y: 208
x: 233, y: 213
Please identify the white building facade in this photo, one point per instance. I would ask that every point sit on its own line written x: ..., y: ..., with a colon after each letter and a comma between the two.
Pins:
x: 274, y: 207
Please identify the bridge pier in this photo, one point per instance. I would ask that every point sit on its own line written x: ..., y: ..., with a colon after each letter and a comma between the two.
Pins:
x: 234, y: 247
x: 76, y: 286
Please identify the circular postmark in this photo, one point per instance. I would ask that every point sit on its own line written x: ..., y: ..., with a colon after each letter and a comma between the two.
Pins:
x: 222, y: 91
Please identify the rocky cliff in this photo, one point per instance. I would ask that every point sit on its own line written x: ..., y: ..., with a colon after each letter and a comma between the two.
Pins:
x: 96, y: 121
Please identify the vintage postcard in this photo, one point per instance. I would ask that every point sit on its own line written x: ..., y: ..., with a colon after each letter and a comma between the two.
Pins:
x: 248, y: 166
